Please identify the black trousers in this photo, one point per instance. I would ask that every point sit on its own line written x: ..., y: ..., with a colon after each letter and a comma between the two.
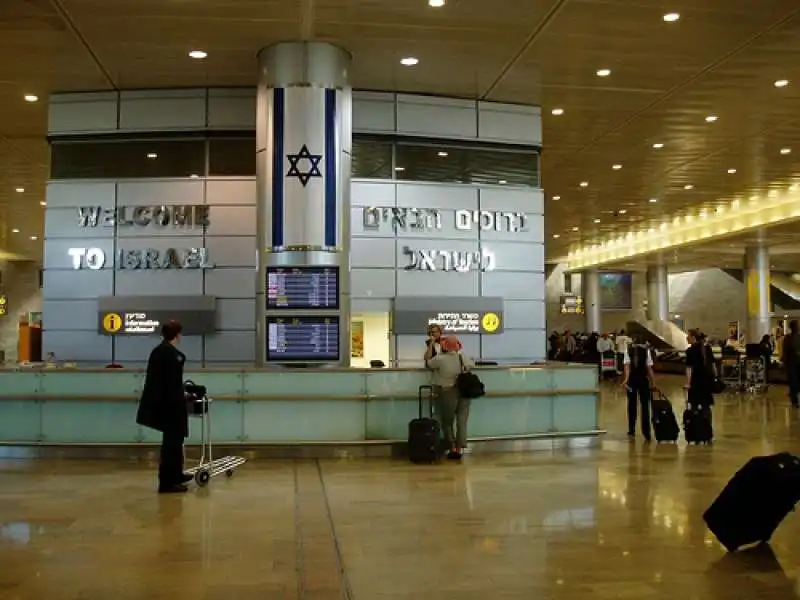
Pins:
x: 170, y: 468
x: 639, y: 395
x: 793, y: 379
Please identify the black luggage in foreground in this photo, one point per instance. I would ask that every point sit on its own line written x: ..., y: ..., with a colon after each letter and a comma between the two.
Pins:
x: 665, y: 424
x: 755, y: 501
x: 424, y: 433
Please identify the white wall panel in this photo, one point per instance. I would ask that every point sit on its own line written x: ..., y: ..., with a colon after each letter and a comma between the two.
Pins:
x: 56, y: 252
x: 65, y: 223
x: 372, y: 283
x: 510, y: 123
x: 232, y: 220
x: 232, y: 109
x: 77, y: 284
x: 168, y: 282
x: 524, y: 314
x: 70, y: 314
x: 232, y: 251
x: 157, y: 192
x: 370, y: 305
x: 529, y: 201
x: 231, y: 191
x: 517, y: 346
x: 514, y: 286
x: 534, y: 232
x: 373, y: 112
x: 79, y: 346
x: 162, y: 110
x: 231, y: 283
x: 81, y: 113
x: 236, y: 314
x: 512, y: 256
x: 436, y: 195
x: 373, y: 253
x: 372, y: 193
x: 436, y: 117
x: 440, y: 283
x: 74, y: 194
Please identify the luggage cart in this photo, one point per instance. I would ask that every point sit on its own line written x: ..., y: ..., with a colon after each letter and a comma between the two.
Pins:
x: 755, y: 374
x: 207, y: 467
x: 608, y: 365
x: 732, y: 373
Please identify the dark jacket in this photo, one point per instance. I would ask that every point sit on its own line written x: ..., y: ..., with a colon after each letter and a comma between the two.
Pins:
x: 163, y: 403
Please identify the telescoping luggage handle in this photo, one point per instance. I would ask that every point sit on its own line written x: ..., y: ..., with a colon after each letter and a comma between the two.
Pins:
x: 429, y: 389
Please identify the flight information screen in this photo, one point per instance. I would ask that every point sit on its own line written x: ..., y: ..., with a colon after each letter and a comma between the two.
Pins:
x: 296, y: 288
x: 302, y: 339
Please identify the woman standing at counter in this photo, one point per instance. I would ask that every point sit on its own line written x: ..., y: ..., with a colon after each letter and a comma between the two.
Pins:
x: 451, y: 407
x: 433, y: 343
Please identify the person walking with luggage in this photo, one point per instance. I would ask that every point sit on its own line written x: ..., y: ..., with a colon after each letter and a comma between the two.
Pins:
x: 163, y: 407
x: 790, y: 356
x: 638, y: 380
x: 701, y: 375
x: 451, y: 408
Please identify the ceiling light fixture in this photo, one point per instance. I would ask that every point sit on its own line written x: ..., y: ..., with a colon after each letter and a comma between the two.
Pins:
x: 603, y: 72
x: 557, y: 111
x: 653, y: 200
x: 42, y: 203
x: 20, y: 190
x: 15, y: 230
x: 731, y: 171
x: 442, y: 154
x: 198, y: 54
x: 711, y: 118
x: 658, y: 145
x: 436, y: 3
x: 399, y: 169
x: 688, y: 187
x: 194, y: 176
x: 671, y: 17
x: 786, y: 150
x: 596, y: 221
x: 556, y: 198
x: 622, y: 211
x: 781, y: 83
x: 502, y: 182
x: 584, y: 184
x: 616, y: 167
x: 31, y: 98
x: 34, y: 238
x: 576, y: 229
x: 409, y: 61
x: 556, y: 236
x: 152, y: 155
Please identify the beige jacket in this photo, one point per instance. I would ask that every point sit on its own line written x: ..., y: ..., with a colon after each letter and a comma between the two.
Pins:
x: 446, y: 366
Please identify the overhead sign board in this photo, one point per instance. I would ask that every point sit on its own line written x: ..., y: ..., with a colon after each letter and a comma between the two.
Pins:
x: 455, y: 315
x: 3, y: 305
x: 144, y: 315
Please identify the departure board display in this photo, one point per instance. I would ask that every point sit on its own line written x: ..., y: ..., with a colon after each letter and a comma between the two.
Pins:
x: 302, y: 339
x: 300, y: 288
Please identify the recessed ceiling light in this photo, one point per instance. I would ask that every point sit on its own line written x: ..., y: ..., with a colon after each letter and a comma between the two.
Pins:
x: 616, y: 167
x: 731, y: 171
x: 658, y: 145
x: 399, y: 169
x: 596, y: 221
x: 584, y: 184
x: 653, y: 200
x: 436, y: 3
x: 557, y: 111
x: 603, y: 72
x: 671, y: 17
x: 502, y: 182
x: 781, y: 83
x: 198, y: 54
x: 576, y: 229
x: 31, y: 98
x: 556, y: 236
x: 34, y: 237
x: 711, y: 118
x: 556, y: 197
x: 194, y: 176
x: 688, y: 186
x: 409, y: 61
x: 622, y: 211
x: 42, y: 203
x: 152, y: 155
x: 20, y: 190
x: 15, y: 230
x: 442, y: 154
x: 786, y: 150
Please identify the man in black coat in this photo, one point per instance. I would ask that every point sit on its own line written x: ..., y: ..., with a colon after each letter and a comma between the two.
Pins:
x: 163, y: 407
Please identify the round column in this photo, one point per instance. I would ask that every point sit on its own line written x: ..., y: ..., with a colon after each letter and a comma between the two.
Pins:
x: 590, y: 288
x: 657, y: 293
x: 303, y: 146
x: 757, y: 281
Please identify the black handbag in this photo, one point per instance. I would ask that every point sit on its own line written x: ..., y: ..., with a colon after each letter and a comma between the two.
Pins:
x: 196, y: 400
x: 468, y: 384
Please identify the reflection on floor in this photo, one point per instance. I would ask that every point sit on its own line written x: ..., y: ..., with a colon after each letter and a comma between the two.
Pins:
x: 620, y: 521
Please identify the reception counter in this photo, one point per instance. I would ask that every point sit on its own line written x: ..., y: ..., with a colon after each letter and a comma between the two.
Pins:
x: 293, y: 407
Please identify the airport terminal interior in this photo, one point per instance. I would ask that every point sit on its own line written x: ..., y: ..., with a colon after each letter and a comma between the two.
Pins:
x: 411, y: 289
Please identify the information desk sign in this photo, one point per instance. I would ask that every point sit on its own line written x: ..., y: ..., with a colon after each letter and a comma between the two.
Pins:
x: 299, y: 288
x: 303, y: 339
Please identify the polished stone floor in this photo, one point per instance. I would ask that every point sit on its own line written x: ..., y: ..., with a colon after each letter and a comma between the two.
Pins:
x: 619, y: 521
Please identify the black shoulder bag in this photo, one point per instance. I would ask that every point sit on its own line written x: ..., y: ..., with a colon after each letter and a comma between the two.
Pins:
x: 468, y: 384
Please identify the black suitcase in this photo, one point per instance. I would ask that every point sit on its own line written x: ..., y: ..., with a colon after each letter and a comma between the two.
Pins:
x: 665, y: 424
x: 755, y: 501
x: 697, y: 427
x: 424, y: 433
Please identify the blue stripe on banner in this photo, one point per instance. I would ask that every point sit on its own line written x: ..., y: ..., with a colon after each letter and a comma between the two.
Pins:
x: 330, y: 168
x: 278, y: 124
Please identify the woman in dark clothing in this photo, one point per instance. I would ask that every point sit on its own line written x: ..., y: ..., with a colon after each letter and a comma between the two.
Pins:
x: 700, y: 370
x: 765, y: 345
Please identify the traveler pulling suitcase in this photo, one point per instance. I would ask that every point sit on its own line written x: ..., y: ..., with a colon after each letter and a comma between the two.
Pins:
x: 665, y: 424
x: 424, y: 433
x: 755, y: 501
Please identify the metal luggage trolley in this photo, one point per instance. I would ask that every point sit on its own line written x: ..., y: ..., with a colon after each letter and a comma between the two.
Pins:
x: 732, y: 372
x: 755, y: 374
x: 608, y: 365
x: 207, y: 467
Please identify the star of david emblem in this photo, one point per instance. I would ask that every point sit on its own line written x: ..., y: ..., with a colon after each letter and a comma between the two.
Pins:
x: 310, y: 161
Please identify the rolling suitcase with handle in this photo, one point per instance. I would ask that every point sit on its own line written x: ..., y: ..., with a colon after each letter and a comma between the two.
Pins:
x: 424, y: 432
x: 665, y: 424
x: 755, y: 501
